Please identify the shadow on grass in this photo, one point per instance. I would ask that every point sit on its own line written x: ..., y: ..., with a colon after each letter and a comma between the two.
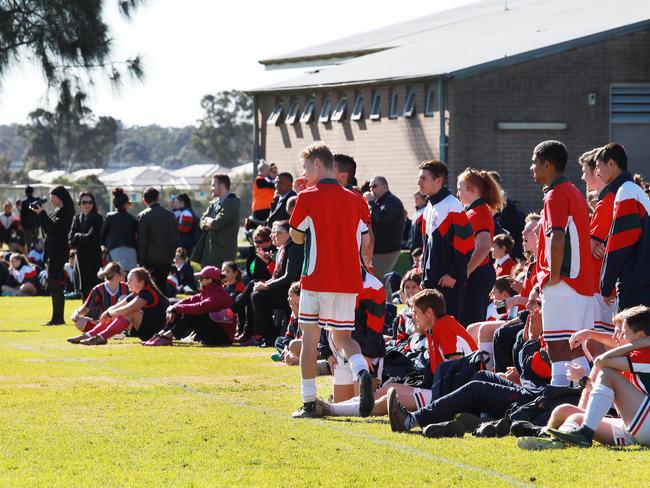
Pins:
x: 17, y: 330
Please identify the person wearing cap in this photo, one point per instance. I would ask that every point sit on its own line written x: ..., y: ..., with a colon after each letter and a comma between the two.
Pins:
x: 193, y: 314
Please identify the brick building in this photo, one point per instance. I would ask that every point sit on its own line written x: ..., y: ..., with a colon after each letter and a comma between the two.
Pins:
x: 478, y: 86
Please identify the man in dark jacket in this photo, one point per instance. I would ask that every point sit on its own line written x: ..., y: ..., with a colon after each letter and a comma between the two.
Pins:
x: 157, y: 236
x: 28, y: 220
x: 272, y: 294
x: 388, y: 218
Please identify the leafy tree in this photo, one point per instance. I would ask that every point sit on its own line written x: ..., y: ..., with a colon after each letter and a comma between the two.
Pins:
x: 69, y: 137
x: 68, y: 39
x: 225, y: 133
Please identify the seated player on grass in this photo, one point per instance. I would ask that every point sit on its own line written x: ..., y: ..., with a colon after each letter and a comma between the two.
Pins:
x: 205, y: 314
x: 290, y: 343
x: 627, y: 391
x: 446, y: 340
x: 502, y: 245
x: 403, y: 326
x: 143, y: 310
x: 487, y: 393
x: 100, y: 298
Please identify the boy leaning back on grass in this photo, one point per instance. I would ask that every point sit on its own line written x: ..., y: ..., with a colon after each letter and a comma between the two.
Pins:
x: 329, y: 220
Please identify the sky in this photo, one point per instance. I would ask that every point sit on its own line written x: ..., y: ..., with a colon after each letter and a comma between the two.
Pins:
x: 196, y: 47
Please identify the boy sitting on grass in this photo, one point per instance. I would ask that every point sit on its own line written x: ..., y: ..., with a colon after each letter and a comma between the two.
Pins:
x: 627, y: 391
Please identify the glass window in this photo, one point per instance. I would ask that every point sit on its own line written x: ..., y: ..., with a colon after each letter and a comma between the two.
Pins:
x: 325, y: 110
x: 357, y: 110
x: 394, y: 100
x: 409, y: 106
x: 428, y: 109
x: 375, y: 109
x: 275, y: 116
x: 292, y: 113
x: 308, y: 112
x: 341, y: 109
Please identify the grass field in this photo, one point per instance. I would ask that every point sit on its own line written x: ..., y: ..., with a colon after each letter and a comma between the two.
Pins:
x: 124, y: 415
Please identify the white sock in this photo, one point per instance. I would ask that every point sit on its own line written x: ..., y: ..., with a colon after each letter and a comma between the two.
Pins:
x: 348, y: 408
x: 489, y: 348
x: 569, y: 425
x: 357, y: 364
x: 558, y: 374
x: 584, y: 362
x: 308, y: 387
x: 600, y: 401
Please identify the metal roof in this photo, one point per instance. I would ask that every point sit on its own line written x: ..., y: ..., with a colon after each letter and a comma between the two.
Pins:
x: 467, y: 40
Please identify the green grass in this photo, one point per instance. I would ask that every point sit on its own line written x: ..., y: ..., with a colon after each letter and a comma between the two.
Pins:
x: 124, y: 415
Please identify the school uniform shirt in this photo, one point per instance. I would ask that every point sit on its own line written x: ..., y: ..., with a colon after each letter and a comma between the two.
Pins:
x: 448, y: 239
x: 155, y: 304
x: 639, y: 362
x: 332, y: 219
x: 448, y: 338
x: 25, y: 274
x: 504, y: 265
x: 600, y: 225
x: 627, y: 254
x: 235, y: 289
x: 100, y: 297
x: 480, y: 218
x: 565, y: 210
x: 184, y: 220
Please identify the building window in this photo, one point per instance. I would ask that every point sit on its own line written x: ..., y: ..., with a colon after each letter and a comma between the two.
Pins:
x: 357, y: 110
x: 308, y: 113
x: 409, y: 106
x: 375, y: 109
x: 428, y: 109
x: 275, y: 118
x: 325, y: 111
x: 340, y: 112
x: 394, y: 101
x: 292, y: 113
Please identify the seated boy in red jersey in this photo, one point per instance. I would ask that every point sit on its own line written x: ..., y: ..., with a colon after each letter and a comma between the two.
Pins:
x: 330, y: 221
x: 502, y: 245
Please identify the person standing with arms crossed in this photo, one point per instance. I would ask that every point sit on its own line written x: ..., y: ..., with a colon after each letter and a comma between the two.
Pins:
x: 329, y: 220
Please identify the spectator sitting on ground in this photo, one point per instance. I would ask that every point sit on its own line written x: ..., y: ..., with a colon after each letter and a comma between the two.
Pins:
x: 183, y: 272
x: 290, y: 343
x: 195, y: 314
x: 142, y: 310
x: 502, y: 245
x: 403, y: 325
x: 232, y: 282
x: 36, y: 254
x: 101, y: 297
x: 22, y: 279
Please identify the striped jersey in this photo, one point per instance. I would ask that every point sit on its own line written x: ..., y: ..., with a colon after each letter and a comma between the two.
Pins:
x: 481, y: 220
x: 333, y: 220
x: 627, y: 254
x: 184, y: 220
x: 100, y: 297
x: 448, y: 338
x: 639, y: 362
x: 565, y: 210
x: 448, y: 239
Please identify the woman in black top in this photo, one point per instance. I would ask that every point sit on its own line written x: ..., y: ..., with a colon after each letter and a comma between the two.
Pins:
x: 119, y: 232
x: 56, y: 227
x: 85, y: 238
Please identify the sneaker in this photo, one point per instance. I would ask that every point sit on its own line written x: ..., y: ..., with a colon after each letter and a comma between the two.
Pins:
x: 323, y: 368
x: 77, y: 339
x: 397, y: 414
x: 248, y: 341
x: 189, y: 339
x: 453, y: 428
x: 366, y: 394
x: 523, y: 428
x: 469, y: 421
x: 577, y: 437
x: 158, y: 341
x: 309, y: 410
x: 94, y: 341
x: 496, y: 428
x: 538, y: 443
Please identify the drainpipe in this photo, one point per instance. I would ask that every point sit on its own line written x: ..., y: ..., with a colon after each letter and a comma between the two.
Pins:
x: 441, y: 105
x: 256, y: 129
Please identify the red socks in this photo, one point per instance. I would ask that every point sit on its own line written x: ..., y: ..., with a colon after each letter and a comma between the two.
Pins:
x: 120, y: 324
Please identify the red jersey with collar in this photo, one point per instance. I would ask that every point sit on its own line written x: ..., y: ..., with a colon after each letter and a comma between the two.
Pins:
x: 480, y: 217
x: 601, y: 223
x: 639, y: 362
x: 505, y: 268
x: 332, y: 219
x: 565, y: 210
x: 448, y: 338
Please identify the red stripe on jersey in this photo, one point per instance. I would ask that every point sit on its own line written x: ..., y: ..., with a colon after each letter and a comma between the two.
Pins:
x: 620, y: 240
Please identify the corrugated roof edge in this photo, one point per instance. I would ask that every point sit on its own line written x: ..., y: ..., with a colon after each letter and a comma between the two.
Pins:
x: 476, y: 69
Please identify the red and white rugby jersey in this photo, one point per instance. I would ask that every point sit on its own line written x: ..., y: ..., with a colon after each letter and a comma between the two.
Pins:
x: 639, y: 361
x: 448, y: 338
x: 480, y: 217
x: 26, y: 273
x: 332, y: 219
x: 565, y: 209
x: 601, y: 223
